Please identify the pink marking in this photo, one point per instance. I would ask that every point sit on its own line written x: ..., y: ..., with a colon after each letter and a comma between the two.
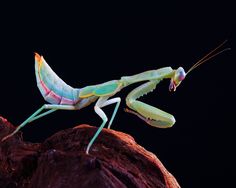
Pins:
x: 67, y: 101
x: 53, y: 98
x: 45, y: 88
x: 181, y: 77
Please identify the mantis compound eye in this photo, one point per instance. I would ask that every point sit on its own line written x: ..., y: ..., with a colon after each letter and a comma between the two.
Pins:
x: 180, y: 74
x: 177, y: 79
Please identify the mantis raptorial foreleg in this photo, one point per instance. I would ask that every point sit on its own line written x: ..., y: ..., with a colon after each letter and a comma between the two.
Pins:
x: 151, y: 115
x: 37, y: 115
x: 102, y: 101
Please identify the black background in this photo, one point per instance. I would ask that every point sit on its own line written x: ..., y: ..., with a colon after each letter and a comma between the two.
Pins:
x: 88, y: 45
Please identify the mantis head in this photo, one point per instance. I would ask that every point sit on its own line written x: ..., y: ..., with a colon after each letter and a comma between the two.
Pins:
x: 179, y: 74
x: 177, y: 78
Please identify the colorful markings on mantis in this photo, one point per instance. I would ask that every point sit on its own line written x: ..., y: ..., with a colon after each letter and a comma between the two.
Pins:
x: 43, y: 88
x: 53, y: 89
x: 39, y: 61
x: 52, y: 97
x: 105, y: 89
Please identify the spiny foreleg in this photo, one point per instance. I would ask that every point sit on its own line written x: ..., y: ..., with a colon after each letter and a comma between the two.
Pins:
x: 151, y: 115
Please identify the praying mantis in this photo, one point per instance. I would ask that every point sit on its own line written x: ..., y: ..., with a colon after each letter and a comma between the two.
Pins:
x: 64, y: 97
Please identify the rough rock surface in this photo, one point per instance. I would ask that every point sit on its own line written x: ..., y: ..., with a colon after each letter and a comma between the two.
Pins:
x: 115, y: 161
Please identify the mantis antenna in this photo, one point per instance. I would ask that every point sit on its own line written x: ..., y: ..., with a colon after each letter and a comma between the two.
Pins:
x: 209, y: 56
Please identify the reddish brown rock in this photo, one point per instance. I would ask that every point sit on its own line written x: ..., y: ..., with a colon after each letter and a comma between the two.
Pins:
x: 115, y: 161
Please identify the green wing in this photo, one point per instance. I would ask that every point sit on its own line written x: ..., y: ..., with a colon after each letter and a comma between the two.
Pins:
x: 107, y: 88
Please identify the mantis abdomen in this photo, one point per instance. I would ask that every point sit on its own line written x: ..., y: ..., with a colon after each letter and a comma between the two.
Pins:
x: 54, y: 89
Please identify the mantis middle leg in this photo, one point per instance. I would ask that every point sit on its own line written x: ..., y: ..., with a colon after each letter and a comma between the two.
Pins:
x: 111, y: 101
x: 102, y: 101
x: 37, y: 115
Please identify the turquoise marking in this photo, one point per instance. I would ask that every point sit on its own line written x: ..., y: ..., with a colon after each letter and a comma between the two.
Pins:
x: 106, y: 89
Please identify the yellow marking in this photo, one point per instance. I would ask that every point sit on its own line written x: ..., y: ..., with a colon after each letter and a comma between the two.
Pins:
x: 120, y: 84
x: 38, y: 58
x: 86, y: 96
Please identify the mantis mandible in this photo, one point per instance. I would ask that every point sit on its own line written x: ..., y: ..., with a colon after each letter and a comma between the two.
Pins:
x: 64, y: 97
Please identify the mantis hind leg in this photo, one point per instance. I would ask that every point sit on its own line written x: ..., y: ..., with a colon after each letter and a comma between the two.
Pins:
x: 37, y: 115
x: 151, y: 115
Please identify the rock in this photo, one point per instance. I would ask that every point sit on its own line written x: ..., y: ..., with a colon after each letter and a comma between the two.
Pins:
x: 115, y: 161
